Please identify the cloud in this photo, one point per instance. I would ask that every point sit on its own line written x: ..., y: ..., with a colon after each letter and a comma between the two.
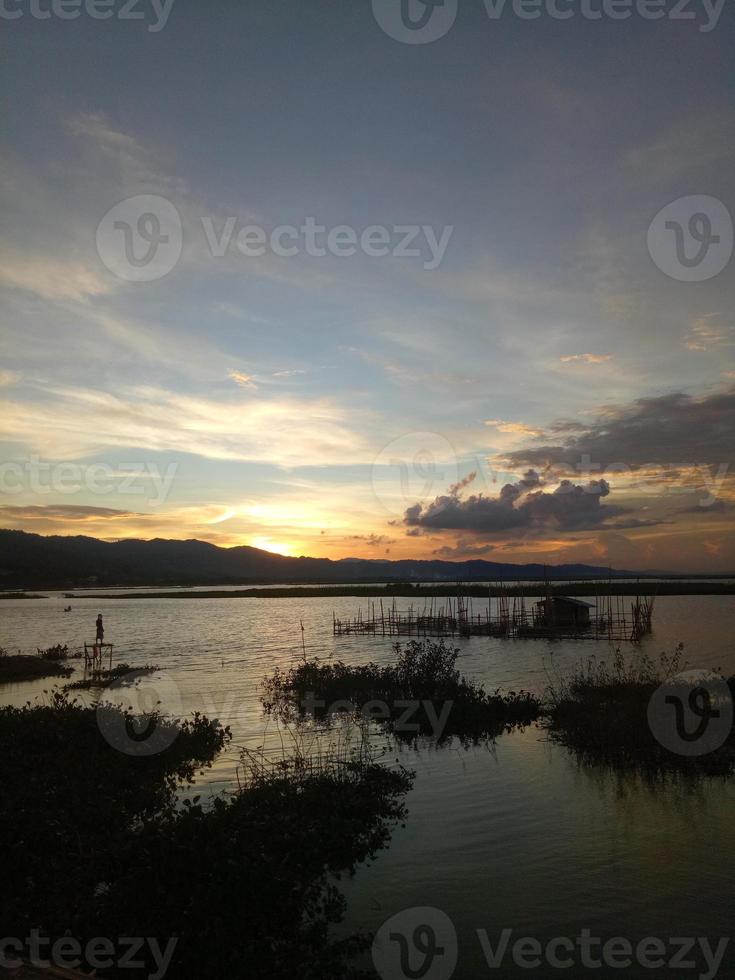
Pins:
x: 420, y: 370
x: 585, y: 358
x: 95, y: 127
x: 63, y: 512
x: 372, y: 540
x: 707, y: 333
x: 456, y: 488
x: 133, y: 165
x: 75, y: 422
x: 244, y: 380
x: 697, y: 144
x: 237, y: 312
x: 513, y: 428
x: 113, y: 524
x: 520, y: 507
x: 674, y: 429
x: 51, y: 278
x: 463, y: 551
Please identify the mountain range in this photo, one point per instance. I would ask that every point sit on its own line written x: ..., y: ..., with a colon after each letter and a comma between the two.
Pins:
x: 33, y: 561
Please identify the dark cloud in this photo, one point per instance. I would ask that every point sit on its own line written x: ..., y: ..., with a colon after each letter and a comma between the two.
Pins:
x: 456, y: 488
x: 668, y: 430
x: 370, y: 539
x: 565, y: 425
x: 464, y: 551
x: 520, y: 506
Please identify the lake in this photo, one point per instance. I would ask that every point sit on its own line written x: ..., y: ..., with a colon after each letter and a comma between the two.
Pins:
x: 516, y: 835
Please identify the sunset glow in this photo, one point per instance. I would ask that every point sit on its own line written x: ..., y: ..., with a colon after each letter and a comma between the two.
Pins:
x: 309, y: 403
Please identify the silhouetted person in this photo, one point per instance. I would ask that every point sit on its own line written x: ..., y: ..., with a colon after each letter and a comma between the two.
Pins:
x: 100, y: 629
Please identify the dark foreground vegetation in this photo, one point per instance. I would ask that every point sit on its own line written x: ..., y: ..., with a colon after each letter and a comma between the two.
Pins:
x: 96, y: 844
x: 604, y: 714
x: 421, y: 694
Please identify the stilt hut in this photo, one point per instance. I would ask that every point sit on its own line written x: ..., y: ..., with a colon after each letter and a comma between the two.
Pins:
x: 563, y: 612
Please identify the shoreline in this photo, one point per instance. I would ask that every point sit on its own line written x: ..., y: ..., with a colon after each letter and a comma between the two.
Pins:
x: 406, y: 590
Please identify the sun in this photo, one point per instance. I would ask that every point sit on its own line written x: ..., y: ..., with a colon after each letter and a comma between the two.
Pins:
x: 268, y: 544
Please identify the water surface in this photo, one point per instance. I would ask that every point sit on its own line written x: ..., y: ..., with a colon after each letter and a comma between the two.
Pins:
x: 516, y: 835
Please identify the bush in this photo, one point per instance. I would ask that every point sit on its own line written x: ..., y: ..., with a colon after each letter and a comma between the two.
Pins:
x: 601, y: 713
x: 424, y: 672
x: 251, y: 885
x: 96, y: 843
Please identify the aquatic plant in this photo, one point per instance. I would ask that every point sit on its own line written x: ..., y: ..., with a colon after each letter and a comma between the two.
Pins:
x: 597, y: 679
x: 420, y: 694
x: 601, y: 712
x: 21, y: 667
x: 55, y: 653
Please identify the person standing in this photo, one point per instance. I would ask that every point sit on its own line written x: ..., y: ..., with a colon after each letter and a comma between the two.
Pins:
x: 100, y: 629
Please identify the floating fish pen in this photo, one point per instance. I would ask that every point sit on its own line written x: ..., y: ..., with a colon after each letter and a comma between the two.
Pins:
x: 554, y: 617
x: 561, y: 617
x: 432, y: 620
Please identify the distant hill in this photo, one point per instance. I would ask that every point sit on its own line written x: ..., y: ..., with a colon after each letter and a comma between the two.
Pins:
x: 32, y: 561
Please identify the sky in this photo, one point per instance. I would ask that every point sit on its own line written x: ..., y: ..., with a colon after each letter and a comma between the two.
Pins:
x: 326, y: 280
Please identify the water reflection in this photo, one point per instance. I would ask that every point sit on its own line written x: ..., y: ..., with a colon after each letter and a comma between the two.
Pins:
x: 527, y: 838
